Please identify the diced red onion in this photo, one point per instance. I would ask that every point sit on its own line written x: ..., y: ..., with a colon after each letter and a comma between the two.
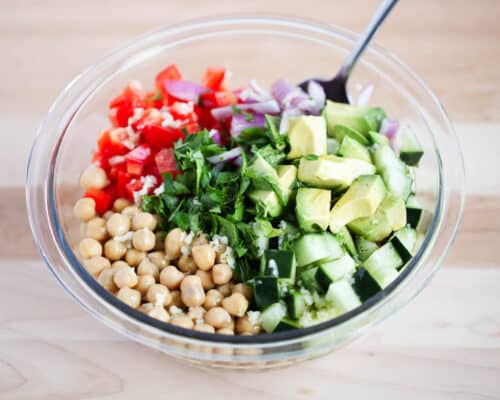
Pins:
x: 240, y: 122
x: 263, y: 94
x: 281, y: 89
x: 365, y: 95
x: 184, y: 90
x: 389, y: 128
x: 266, y: 107
x: 317, y: 93
x: 215, y: 135
x: 226, y: 156
x: 285, y: 117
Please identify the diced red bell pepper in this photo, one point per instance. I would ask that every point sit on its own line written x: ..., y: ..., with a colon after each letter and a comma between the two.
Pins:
x: 172, y: 73
x: 122, y: 181
x: 154, y: 100
x: 110, y: 142
x: 150, y: 116
x: 138, y: 158
x: 132, y: 186
x: 102, y: 198
x: 213, y: 78
x: 159, y: 136
x: 121, y: 108
x: 165, y: 161
x: 218, y: 99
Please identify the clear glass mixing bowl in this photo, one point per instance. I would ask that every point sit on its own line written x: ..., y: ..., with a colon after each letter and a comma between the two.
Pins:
x: 253, y: 47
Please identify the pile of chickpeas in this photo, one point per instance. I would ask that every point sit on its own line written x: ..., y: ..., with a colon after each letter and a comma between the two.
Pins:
x: 176, y: 280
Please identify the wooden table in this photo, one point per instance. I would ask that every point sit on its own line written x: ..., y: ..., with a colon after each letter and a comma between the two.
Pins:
x: 444, y: 345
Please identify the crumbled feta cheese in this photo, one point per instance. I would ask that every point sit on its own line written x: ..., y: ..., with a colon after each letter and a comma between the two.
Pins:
x: 138, y: 113
x: 273, y: 267
x: 186, y: 249
x: 183, y: 108
x: 282, y: 287
x: 261, y: 243
x: 319, y: 301
x: 218, y: 242
x: 127, y: 237
x: 196, y: 202
x: 254, y: 317
x: 132, y: 138
x: 308, y: 298
x: 168, y: 120
x: 227, y: 257
x: 115, y: 160
x: 174, y: 310
x: 148, y: 182
x: 159, y: 190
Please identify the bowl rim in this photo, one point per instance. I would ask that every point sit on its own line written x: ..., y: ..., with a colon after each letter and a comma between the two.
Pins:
x: 273, y: 338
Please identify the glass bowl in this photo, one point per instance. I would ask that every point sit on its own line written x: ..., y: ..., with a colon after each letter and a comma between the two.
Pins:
x: 259, y: 48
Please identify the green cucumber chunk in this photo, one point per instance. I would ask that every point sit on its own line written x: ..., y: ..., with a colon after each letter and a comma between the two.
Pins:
x: 365, y: 247
x: 364, y: 285
x: 383, y: 265
x: 279, y: 264
x: 271, y: 316
x: 314, y: 247
x: 266, y: 291
x: 343, y: 296
x: 345, y: 238
x: 332, y: 271
x: 411, y: 150
x: 295, y: 304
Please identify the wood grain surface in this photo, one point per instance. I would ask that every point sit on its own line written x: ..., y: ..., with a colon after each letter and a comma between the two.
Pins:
x: 444, y: 345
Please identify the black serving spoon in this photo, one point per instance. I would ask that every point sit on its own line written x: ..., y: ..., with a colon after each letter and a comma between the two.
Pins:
x: 336, y: 88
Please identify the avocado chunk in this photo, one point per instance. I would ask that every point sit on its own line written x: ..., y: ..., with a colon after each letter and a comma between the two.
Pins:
x: 267, y: 200
x: 312, y: 209
x: 332, y: 172
x: 390, y: 216
x: 351, y: 148
x: 361, y: 119
x: 307, y: 135
x: 361, y: 200
x: 342, y: 131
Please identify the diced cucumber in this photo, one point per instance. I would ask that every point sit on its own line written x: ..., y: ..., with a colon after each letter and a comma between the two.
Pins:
x: 314, y: 247
x: 364, y: 285
x: 365, y: 247
x: 280, y: 264
x: 404, y: 242
x: 383, y: 264
x: 343, y: 296
x: 287, y: 324
x: 266, y: 291
x: 395, y: 173
x: 332, y: 146
x: 345, y: 238
x: 295, y: 304
x: 414, y: 216
x: 308, y: 279
x: 332, y: 271
x: 342, y: 131
x: 411, y: 151
x: 413, y: 202
x: 378, y: 138
x: 354, y: 149
x: 271, y: 316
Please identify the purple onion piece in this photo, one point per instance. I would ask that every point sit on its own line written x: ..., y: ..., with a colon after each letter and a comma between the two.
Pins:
x: 240, y: 122
x: 266, y: 107
x: 184, y: 90
x: 285, y: 117
x: 226, y: 156
x: 215, y: 135
x: 317, y: 93
x: 389, y: 128
x: 281, y: 89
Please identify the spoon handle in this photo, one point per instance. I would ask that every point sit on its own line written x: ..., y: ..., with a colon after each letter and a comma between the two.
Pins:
x: 379, y: 17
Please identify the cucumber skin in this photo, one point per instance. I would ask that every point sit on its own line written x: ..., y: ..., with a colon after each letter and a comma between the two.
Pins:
x: 414, y: 216
x: 364, y: 285
x: 411, y: 158
x: 266, y: 291
x: 403, y: 252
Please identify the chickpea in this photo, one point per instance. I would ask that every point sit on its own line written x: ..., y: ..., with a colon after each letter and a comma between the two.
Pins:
x: 186, y: 264
x: 204, y: 328
x: 244, y: 326
x: 183, y: 321
x: 213, y: 299
x: 143, y: 240
x: 221, y: 273
x: 159, y: 294
x: 199, y: 240
x: 196, y: 313
x: 143, y: 220
x: 107, y: 215
x: 125, y: 277
x: 105, y: 279
x: 159, y: 313
x: 236, y: 304
x: 146, y: 307
x: 130, y: 297
x: 218, y: 317
x: 225, y: 290
x: 245, y: 289
x: 177, y: 298
x: 84, y: 209
x: 94, y: 177
x: 174, y: 242
x: 96, y: 229
x: 192, y: 291
x: 120, y: 204
x: 231, y: 325
x: 134, y: 257
x: 119, y: 264
x: 206, y: 279
x: 146, y: 267
x: 225, y: 331
x: 171, y: 277
x: 118, y: 225
x: 114, y: 250
x: 96, y: 264
x: 144, y: 282
x: 130, y: 211
x: 158, y: 258
x: 203, y: 256
x: 89, y: 248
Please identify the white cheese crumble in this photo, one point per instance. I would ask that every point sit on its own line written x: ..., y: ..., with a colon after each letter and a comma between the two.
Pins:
x: 308, y: 298
x: 183, y: 108
x: 148, y: 182
x: 126, y: 238
x: 254, y: 317
x: 227, y: 257
x: 132, y: 138
x: 261, y: 242
x: 159, y: 190
x: 138, y: 113
x: 186, y: 249
x: 168, y: 120
x: 273, y: 267
x: 174, y: 310
x: 115, y: 160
